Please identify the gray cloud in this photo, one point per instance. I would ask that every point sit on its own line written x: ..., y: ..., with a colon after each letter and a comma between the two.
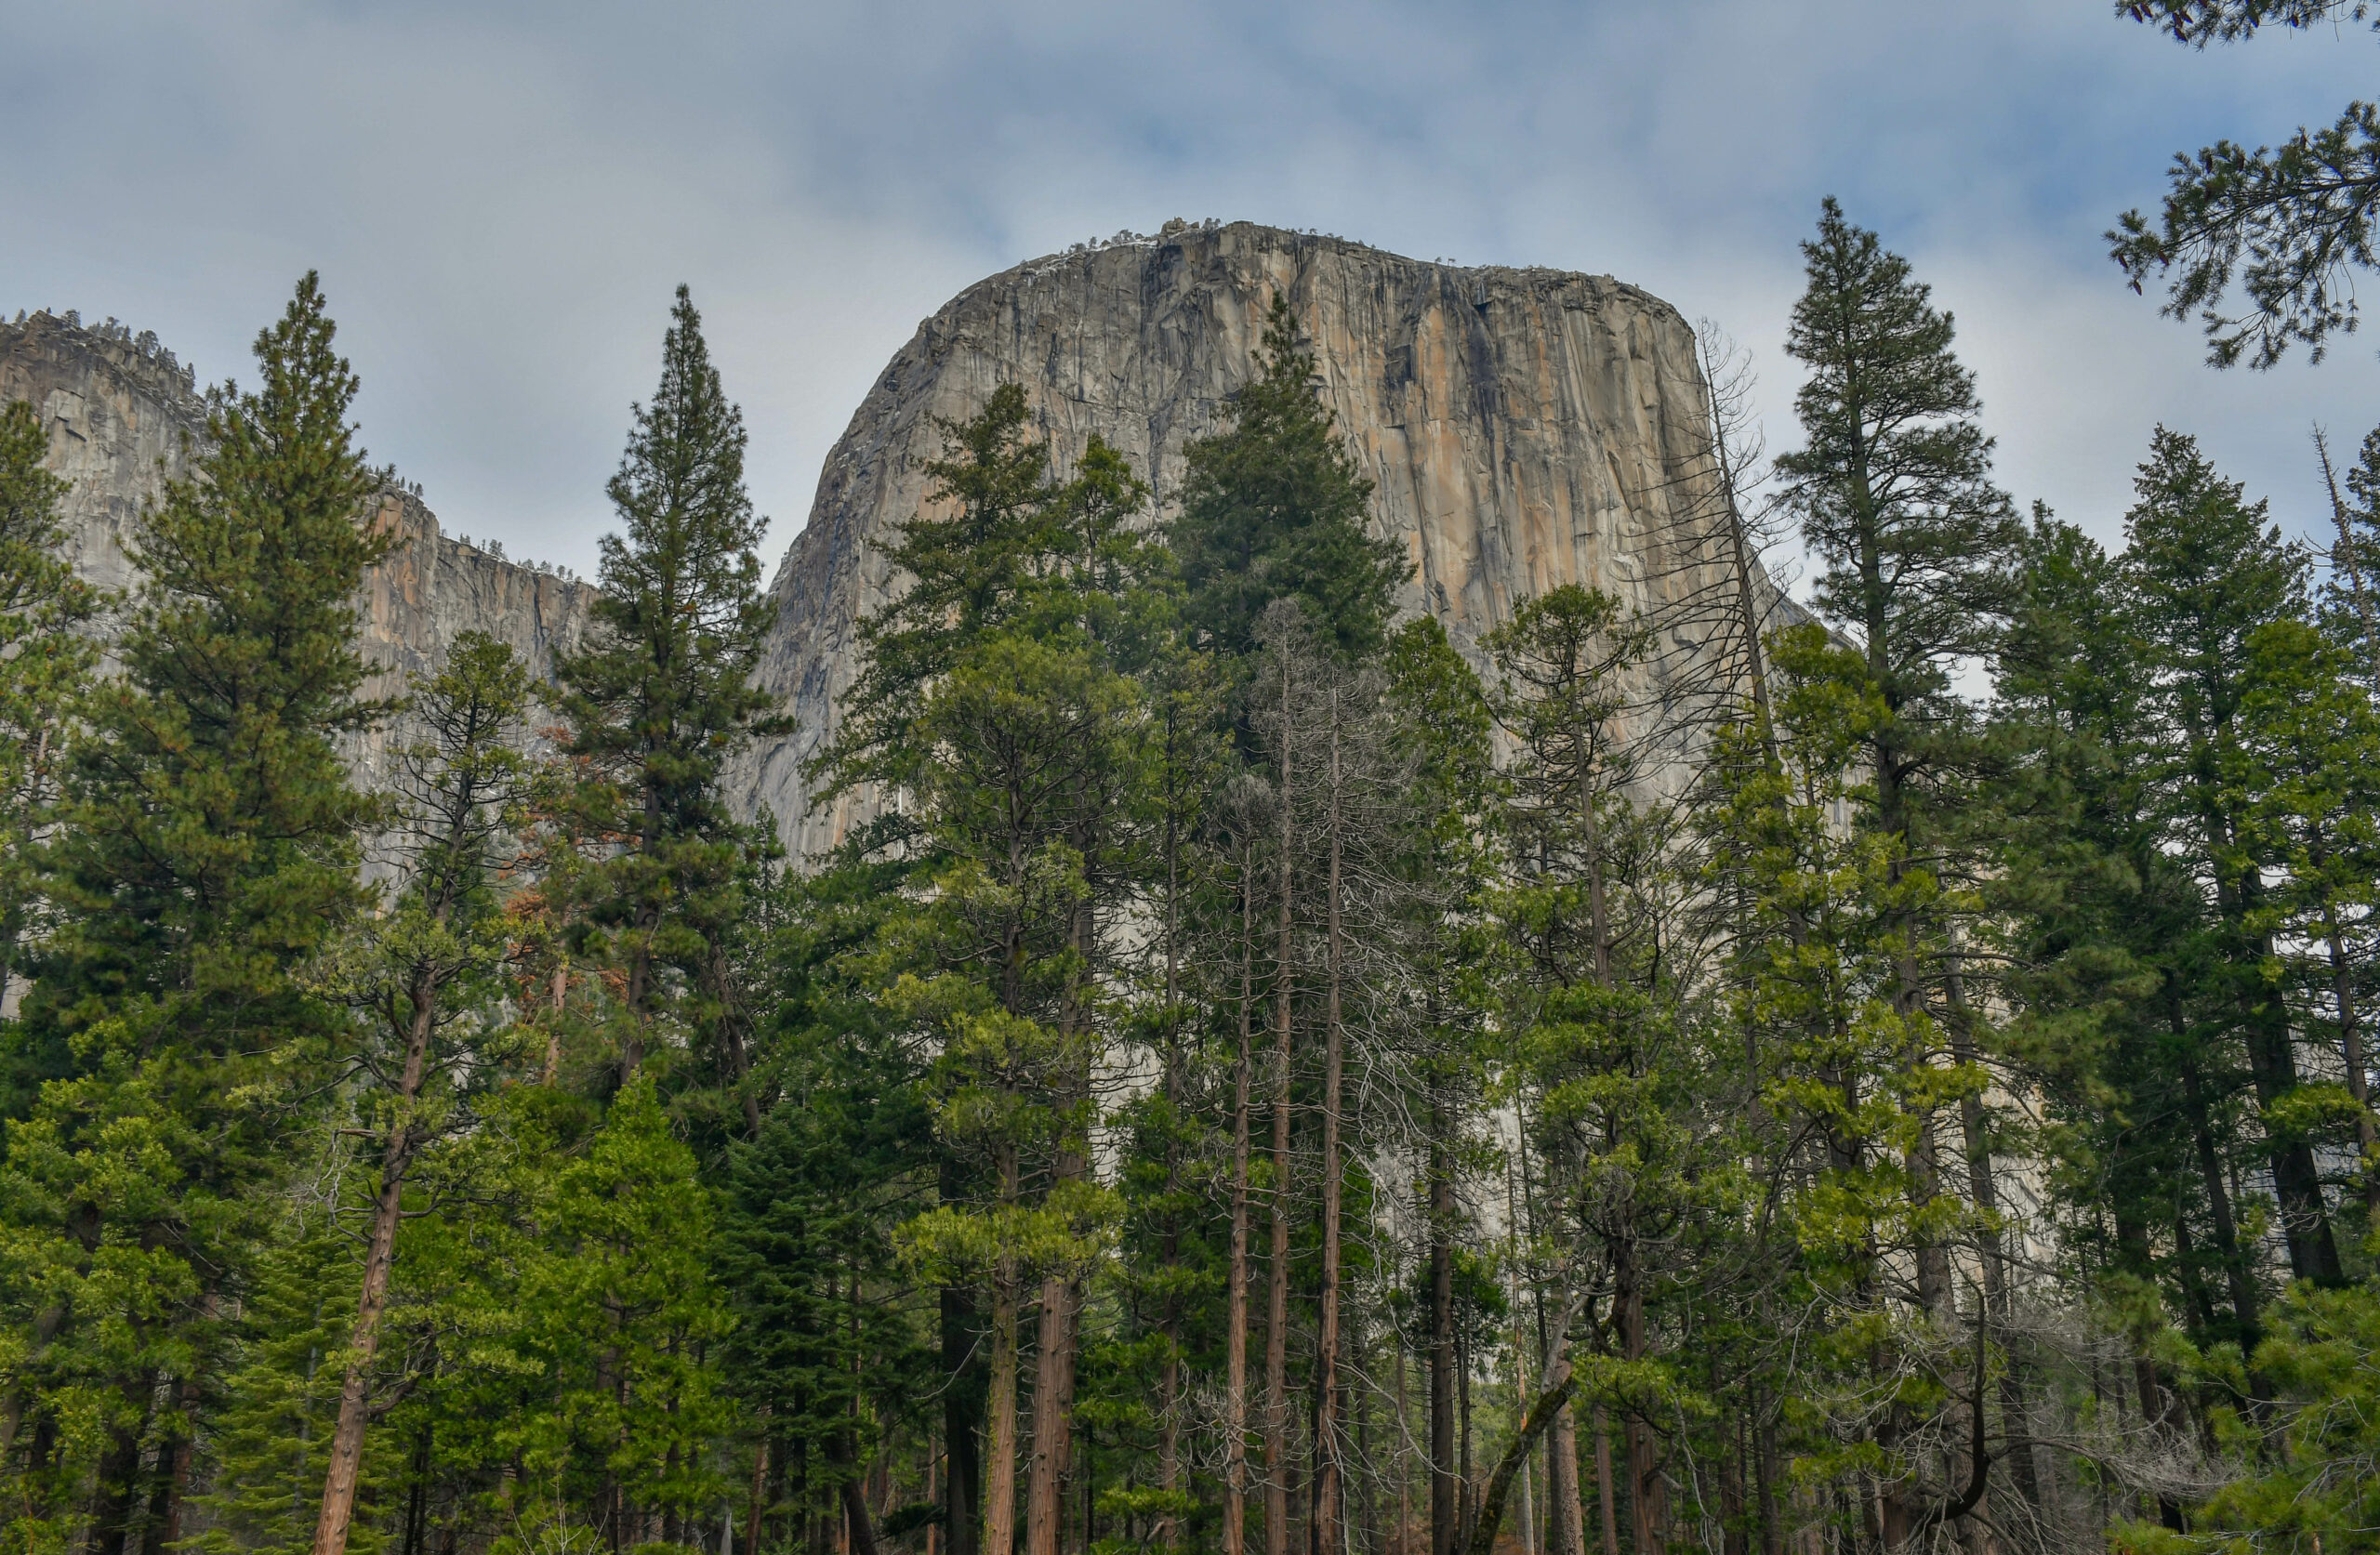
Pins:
x: 501, y: 197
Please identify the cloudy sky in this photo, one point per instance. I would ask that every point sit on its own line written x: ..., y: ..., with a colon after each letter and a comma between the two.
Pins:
x: 501, y: 197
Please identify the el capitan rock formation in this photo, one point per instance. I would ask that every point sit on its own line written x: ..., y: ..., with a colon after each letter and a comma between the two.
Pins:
x: 1525, y: 428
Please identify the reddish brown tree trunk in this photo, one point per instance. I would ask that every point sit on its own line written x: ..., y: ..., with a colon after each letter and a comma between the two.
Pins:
x: 387, y: 1210
x: 1054, y: 1388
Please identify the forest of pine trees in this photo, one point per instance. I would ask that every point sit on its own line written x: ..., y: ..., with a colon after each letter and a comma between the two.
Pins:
x: 1839, y: 1080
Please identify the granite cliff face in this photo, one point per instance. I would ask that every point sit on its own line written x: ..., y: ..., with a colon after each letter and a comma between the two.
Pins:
x: 1526, y: 429
x: 124, y: 418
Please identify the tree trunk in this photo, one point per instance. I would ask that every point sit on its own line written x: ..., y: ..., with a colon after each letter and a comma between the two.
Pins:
x: 118, y: 1490
x: 2348, y: 557
x: 1445, y: 1488
x: 1168, y: 1439
x: 859, y: 1528
x: 2358, y: 1078
x: 1053, y: 1379
x: 1647, y: 1495
x: 1999, y: 1300
x: 962, y: 1478
x: 1463, y: 1431
x: 1607, y: 1500
x: 1276, y: 1335
x: 1053, y: 1388
x: 2240, y: 1279
x: 1000, y: 1493
x: 1235, y: 1332
x: 364, y: 1344
x: 758, y: 1502
x: 1772, y: 1529
x: 1327, y: 1489
x: 166, y: 1532
x: 1560, y: 1382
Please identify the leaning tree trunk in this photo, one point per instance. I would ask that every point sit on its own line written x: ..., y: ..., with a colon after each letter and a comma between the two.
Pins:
x: 388, y: 1212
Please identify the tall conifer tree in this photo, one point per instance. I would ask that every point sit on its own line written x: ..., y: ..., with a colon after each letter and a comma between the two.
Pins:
x: 661, y: 699
x: 2208, y: 569
x: 1895, y: 493
x: 211, y: 848
x: 1273, y: 507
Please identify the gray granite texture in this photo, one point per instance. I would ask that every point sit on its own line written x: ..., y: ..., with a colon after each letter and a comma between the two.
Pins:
x: 1525, y: 428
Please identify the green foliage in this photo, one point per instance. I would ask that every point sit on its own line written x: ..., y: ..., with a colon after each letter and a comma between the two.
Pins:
x: 1273, y: 507
x: 661, y: 699
x: 621, y: 1314
x: 2307, y: 1476
x: 269, y: 1442
x: 2292, y: 226
x: 1893, y: 484
x: 1888, y: 1121
x: 208, y: 848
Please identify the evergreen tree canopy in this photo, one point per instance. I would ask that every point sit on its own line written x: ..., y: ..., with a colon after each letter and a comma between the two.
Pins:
x: 2208, y: 571
x: 1893, y: 484
x: 2292, y: 225
x: 1273, y: 507
x: 661, y: 698
x: 967, y: 567
x: 209, y: 849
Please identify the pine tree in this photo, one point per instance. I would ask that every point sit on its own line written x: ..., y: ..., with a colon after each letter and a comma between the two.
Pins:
x: 2107, y: 938
x: 1024, y: 750
x: 1896, y: 498
x: 2292, y: 224
x: 424, y: 975
x: 1812, y: 999
x: 621, y: 1322
x: 2353, y: 592
x: 1447, y: 850
x: 2207, y: 571
x: 1895, y: 493
x: 209, y: 850
x: 661, y: 700
x: 2310, y: 769
x: 1583, y: 1025
x: 968, y: 573
x: 1273, y: 507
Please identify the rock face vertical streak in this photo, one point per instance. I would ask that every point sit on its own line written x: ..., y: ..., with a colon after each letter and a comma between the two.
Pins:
x: 1526, y: 429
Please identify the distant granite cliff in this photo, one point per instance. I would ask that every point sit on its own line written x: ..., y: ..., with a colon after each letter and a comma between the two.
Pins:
x: 1525, y: 428
x: 123, y: 417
